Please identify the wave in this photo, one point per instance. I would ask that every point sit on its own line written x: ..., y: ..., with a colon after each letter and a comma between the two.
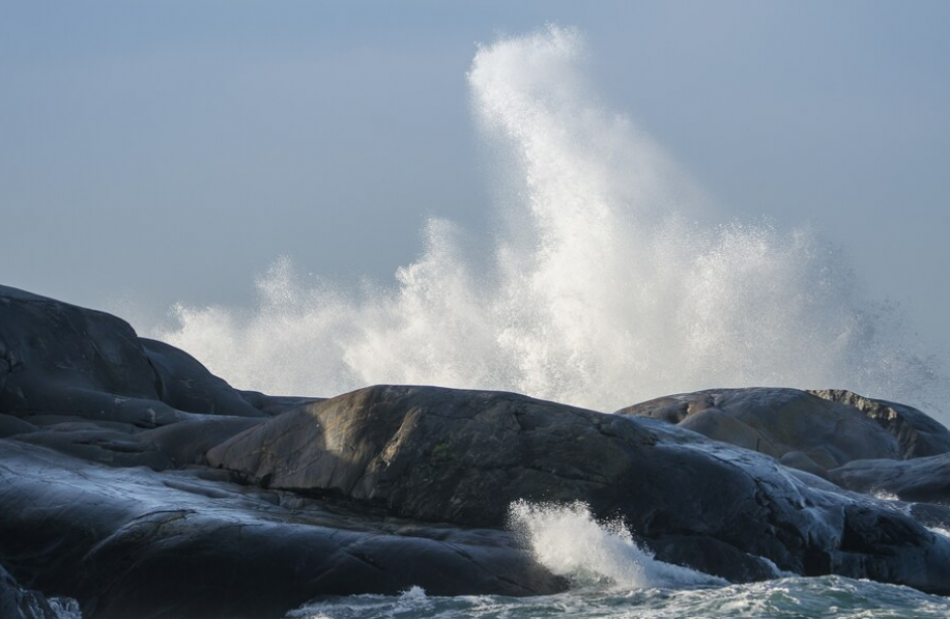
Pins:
x: 600, y: 288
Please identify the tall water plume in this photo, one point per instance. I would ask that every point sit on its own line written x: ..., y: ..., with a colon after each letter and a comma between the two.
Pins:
x: 600, y: 290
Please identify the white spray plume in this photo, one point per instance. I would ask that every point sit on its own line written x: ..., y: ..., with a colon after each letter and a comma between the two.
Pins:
x: 568, y: 541
x: 600, y: 293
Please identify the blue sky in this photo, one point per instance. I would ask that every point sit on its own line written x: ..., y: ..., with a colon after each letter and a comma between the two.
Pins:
x: 166, y: 151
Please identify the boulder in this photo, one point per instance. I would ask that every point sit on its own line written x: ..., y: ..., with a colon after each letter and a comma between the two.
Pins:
x: 917, y: 434
x: 131, y: 542
x: 19, y: 603
x: 185, y: 384
x: 458, y: 456
x: 70, y: 362
x: 920, y: 479
x: 107, y: 494
x: 798, y: 427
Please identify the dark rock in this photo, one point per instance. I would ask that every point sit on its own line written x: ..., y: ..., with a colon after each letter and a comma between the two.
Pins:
x: 72, y: 362
x: 463, y: 456
x: 920, y: 479
x: 105, y: 496
x: 184, y: 383
x: 824, y: 433
x: 187, y: 442
x: 102, y: 445
x: 19, y: 603
x: 11, y: 426
x: 65, y: 358
x: 917, y: 434
x: 130, y: 542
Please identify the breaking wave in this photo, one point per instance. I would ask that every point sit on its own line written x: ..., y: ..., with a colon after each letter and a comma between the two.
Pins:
x: 600, y: 289
x: 569, y: 542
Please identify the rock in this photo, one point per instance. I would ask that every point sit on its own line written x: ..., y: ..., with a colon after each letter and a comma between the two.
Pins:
x: 187, y: 442
x: 74, y: 363
x: 458, y: 456
x: 921, y: 479
x: 917, y: 434
x: 185, y: 384
x: 804, y: 429
x: 11, y: 426
x: 130, y: 542
x: 19, y: 603
x: 106, y: 495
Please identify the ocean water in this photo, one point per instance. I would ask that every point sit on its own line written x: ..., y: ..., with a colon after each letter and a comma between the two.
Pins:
x: 606, y: 281
x: 603, y: 284
x: 829, y: 597
x: 614, y: 578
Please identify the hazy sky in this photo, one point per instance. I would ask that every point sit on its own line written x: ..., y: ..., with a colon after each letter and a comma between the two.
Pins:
x: 171, y: 150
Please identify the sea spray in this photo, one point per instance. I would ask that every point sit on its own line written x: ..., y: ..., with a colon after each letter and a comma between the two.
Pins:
x: 568, y: 541
x: 600, y: 289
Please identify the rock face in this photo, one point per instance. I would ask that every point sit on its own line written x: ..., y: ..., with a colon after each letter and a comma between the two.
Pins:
x: 812, y: 431
x: 462, y: 456
x: 18, y: 603
x: 131, y: 542
x: 917, y: 434
x: 925, y: 480
x: 138, y: 483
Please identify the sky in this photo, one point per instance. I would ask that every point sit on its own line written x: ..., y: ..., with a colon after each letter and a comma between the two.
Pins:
x: 157, y: 152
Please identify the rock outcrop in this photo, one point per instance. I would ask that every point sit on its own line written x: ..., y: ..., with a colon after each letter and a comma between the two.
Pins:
x: 139, y: 484
x: 917, y: 434
x: 925, y: 480
x: 814, y: 431
x: 463, y: 456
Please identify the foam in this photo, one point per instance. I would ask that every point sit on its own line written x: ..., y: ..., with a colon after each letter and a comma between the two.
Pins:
x: 568, y: 541
x: 600, y: 290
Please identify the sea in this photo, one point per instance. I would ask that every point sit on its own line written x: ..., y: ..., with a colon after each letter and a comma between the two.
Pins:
x: 614, y: 578
x: 604, y: 282
x: 830, y: 597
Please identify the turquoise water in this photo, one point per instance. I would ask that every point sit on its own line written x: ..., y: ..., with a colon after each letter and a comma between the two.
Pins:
x: 831, y: 597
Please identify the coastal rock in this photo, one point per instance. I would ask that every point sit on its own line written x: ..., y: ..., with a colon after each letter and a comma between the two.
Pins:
x: 18, y: 603
x: 800, y: 428
x: 917, y: 434
x: 66, y: 363
x: 924, y: 480
x: 131, y: 542
x: 107, y: 494
x: 459, y: 456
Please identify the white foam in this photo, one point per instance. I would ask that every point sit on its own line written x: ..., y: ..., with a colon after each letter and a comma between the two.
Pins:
x: 600, y: 291
x: 568, y: 541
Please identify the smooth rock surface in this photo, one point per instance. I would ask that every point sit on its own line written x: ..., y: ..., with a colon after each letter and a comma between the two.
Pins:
x: 463, y: 456
x: 107, y: 494
x: 920, y: 480
x: 130, y: 542
x: 917, y: 434
x: 801, y: 428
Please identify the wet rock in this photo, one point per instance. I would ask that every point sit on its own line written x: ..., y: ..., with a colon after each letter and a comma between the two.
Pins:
x: 19, y: 603
x: 921, y: 479
x: 63, y: 360
x: 130, y: 542
x: 917, y: 434
x: 815, y: 432
x: 463, y: 456
x: 105, y: 495
x: 185, y: 384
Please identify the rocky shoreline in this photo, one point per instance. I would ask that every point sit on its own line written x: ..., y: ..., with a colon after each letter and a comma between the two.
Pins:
x: 140, y: 485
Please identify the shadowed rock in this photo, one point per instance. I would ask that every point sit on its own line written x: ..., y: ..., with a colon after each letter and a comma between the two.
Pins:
x: 130, y: 542
x: 18, y: 603
x: 463, y: 456
x: 917, y: 434
x: 921, y: 479
x: 106, y: 496
x: 796, y: 427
